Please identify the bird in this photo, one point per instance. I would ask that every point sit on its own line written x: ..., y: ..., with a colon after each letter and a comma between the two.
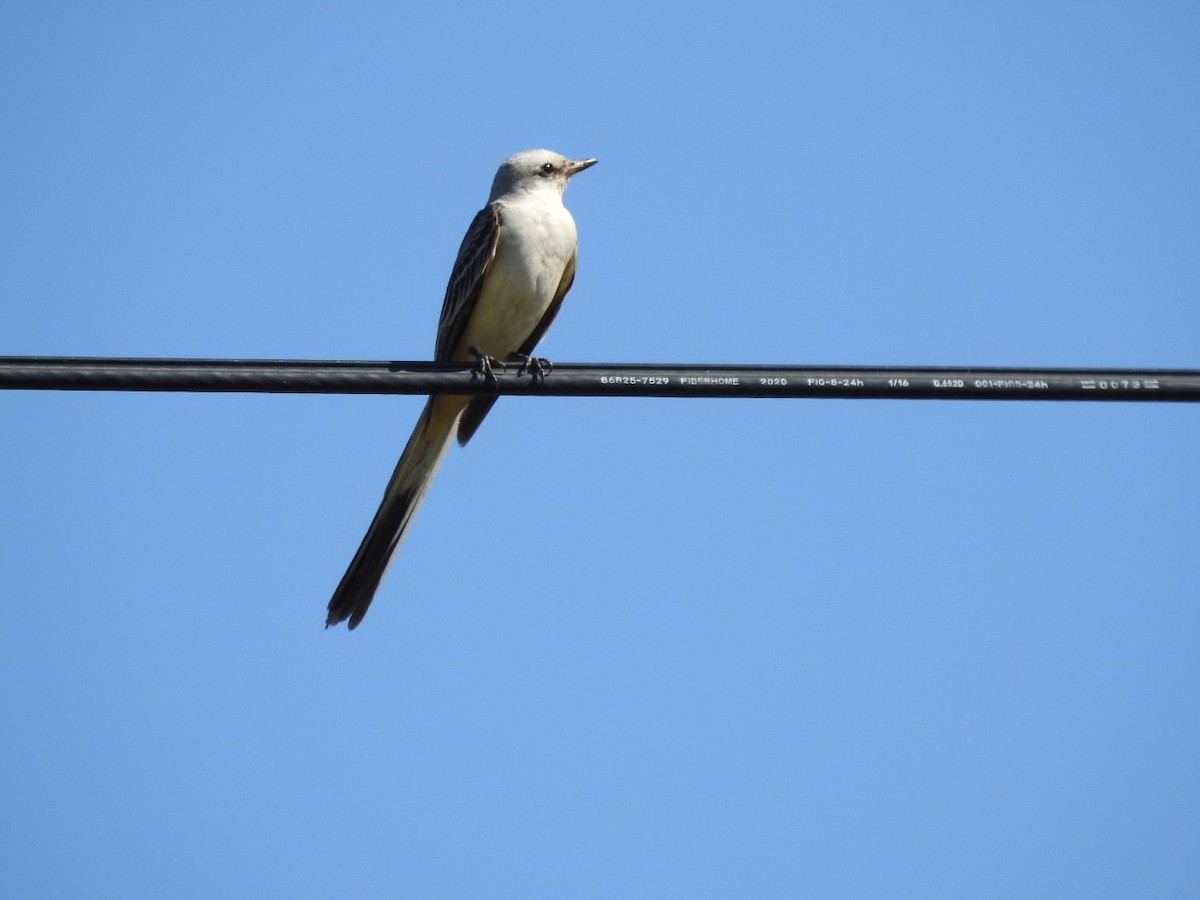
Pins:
x: 513, y: 269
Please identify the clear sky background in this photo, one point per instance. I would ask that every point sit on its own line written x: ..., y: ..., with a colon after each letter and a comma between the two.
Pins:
x: 631, y: 647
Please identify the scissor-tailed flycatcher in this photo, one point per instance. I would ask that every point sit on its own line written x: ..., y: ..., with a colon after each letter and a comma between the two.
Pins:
x: 513, y: 269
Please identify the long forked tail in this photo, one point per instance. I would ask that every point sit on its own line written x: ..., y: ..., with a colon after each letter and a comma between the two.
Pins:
x: 424, y: 451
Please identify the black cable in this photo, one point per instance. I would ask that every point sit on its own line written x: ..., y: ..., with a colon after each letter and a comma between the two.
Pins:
x: 597, y: 380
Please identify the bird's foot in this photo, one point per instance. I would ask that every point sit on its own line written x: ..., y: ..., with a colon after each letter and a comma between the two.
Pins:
x: 484, y: 366
x: 534, y: 366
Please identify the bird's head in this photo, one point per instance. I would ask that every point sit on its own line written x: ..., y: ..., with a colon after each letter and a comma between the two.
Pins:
x: 535, y: 170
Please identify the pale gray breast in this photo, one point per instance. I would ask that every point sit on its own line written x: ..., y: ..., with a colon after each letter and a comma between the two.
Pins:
x: 537, y: 240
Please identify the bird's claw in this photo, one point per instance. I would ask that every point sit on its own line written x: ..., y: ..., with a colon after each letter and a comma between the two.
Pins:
x: 484, y: 366
x: 534, y: 366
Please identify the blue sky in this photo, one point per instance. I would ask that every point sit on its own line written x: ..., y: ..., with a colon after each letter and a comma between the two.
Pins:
x: 631, y: 647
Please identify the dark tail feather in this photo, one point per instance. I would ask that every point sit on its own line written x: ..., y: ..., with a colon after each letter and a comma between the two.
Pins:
x: 404, y: 493
x: 472, y: 417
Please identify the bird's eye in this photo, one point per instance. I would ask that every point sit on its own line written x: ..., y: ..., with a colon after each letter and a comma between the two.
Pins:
x: 547, y: 168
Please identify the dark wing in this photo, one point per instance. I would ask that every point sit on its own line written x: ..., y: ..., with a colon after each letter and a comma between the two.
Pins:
x: 478, y: 407
x: 475, y: 255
